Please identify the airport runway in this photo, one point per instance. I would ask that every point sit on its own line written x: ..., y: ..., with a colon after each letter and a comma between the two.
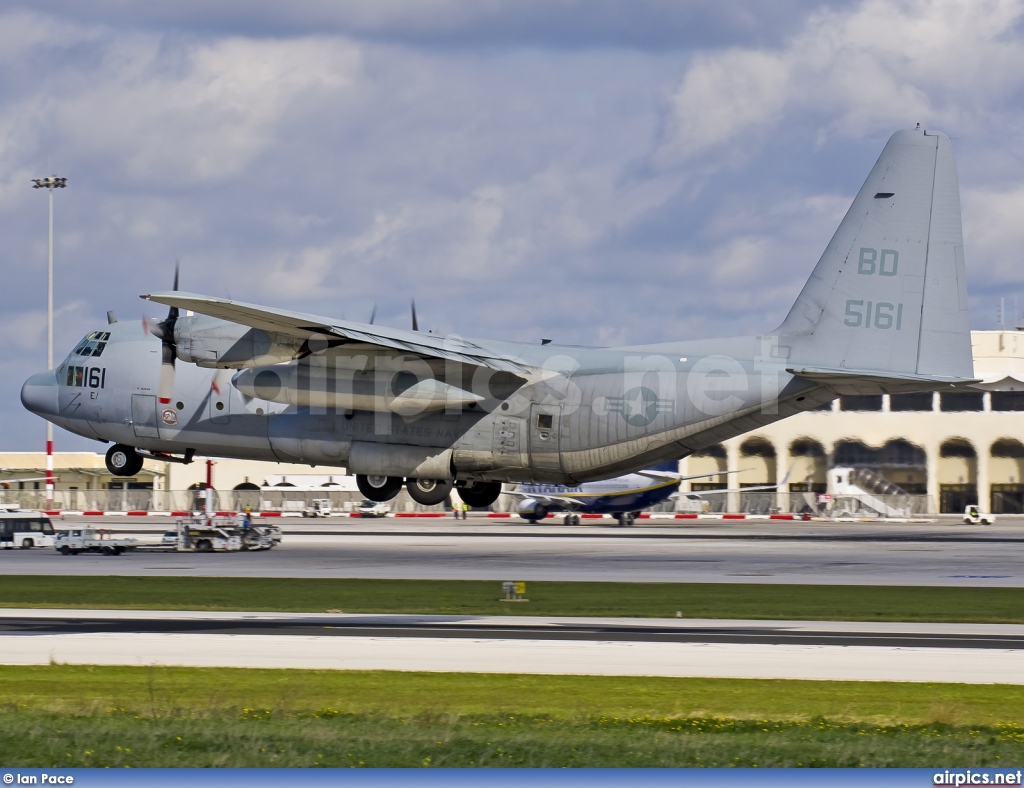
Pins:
x: 936, y: 554
x: 653, y: 647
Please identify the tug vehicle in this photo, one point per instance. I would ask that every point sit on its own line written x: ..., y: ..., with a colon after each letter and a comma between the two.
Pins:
x: 91, y: 540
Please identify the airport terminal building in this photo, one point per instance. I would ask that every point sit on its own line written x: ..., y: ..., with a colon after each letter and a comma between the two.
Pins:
x: 894, y: 454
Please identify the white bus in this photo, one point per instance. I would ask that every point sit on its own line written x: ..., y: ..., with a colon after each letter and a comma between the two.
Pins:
x: 24, y: 529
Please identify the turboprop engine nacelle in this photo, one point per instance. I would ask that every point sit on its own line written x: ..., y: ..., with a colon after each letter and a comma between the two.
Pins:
x: 344, y: 389
x: 209, y: 342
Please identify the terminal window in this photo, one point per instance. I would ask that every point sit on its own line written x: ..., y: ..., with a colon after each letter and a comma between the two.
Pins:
x: 1007, y: 400
x: 905, y: 402
x: 861, y: 402
x: 961, y: 401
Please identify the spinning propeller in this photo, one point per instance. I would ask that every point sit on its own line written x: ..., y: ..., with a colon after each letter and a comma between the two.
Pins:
x: 164, y: 331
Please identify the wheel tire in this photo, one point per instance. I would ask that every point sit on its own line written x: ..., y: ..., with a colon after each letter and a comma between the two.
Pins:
x: 575, y: 519
x: 429, y: 492
x: 75, y: 552
x: 107, y: 551
x: 204, y: 546
x: 65, y: 550
x: 378, y: 488
x: 480, y: 495
x: 122, y: 460
x: 27, y: 544
x: 118, y: 550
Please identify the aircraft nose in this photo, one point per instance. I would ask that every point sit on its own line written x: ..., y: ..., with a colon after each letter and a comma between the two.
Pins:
x: 39, y: 394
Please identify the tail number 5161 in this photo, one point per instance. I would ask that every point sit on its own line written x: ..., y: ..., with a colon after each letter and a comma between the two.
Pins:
x: 874, y: 315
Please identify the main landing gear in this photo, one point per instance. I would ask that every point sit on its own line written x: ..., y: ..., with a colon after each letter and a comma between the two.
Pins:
x: 626, y: 518
x: 122, y: 460
x: 427, y: 492
x: 479, y: 495
x: 378, y: 488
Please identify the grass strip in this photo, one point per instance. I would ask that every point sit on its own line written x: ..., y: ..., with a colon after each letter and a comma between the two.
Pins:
x: 473, y: 597
x: 120, y: 716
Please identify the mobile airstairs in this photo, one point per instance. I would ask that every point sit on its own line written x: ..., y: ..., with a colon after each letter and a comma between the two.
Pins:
x: 863, y: 491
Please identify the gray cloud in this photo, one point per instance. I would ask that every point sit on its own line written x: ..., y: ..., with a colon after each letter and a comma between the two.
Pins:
x: 614, y: 173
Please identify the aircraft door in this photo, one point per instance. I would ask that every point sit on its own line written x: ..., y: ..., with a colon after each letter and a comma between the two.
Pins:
x: 144, y: 416
x: 545, y: 432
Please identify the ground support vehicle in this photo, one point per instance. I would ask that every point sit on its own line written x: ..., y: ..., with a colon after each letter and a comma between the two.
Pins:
x: 25, y: 528
x: 202, y: 536
x: 974, y: 516
x: 373, y: 509
x: 91, y: 540
x: 271, y: 531
x: 321, y: 507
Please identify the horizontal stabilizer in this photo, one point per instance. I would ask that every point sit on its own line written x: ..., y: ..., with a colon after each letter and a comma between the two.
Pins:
x: 861, y: 381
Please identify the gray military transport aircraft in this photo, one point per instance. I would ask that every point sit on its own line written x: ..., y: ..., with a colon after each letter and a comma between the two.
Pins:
x: 884, y: 310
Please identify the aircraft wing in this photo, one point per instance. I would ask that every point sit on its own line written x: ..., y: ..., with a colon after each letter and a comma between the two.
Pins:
x: 563, y: 500
x: 668, y: 475
x: 304, y: 326
x: 9, y: 482
x: 699, y: 493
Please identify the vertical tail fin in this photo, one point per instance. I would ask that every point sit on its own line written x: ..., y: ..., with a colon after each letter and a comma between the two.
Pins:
x: 890, y: 293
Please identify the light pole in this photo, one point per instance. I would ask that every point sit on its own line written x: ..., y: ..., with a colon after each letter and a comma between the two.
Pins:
x: 50, y: 183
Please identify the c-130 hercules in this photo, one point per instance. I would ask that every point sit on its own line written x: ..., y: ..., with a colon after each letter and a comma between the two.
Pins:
x: 885, y: 310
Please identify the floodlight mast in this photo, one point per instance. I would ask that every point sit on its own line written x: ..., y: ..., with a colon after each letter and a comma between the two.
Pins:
x: 49, y: 183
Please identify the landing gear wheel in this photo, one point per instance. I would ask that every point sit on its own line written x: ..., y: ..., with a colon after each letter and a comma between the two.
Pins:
x: 572, y: 519
x: 122, y: 460
x: 429, y: 492
x: 480, y: 495
x: 625, y: 518
x: 378, y: 488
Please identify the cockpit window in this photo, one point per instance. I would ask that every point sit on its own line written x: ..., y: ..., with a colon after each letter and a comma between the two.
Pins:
x: 93, y: 344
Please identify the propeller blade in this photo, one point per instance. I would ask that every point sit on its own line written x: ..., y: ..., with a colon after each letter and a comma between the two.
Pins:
x: 166, y: 390
x: 164, y: 330
x: 415, y: 322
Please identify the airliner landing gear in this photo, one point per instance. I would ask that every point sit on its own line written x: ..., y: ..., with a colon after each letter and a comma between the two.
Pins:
x: 572, y: 519
x: 625, y: 518
x: 480, y: 495
x: 122, y: 460
x: 429, y: 492
x: 378, y: 488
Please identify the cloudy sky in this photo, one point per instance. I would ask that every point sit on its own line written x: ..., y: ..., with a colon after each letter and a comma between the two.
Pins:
x: 592, y: 171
